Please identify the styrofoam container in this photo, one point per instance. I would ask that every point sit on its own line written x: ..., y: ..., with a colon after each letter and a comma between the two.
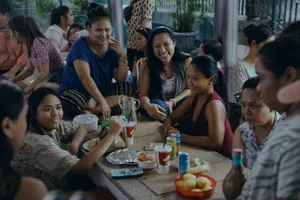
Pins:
x: 147, y: 165
x: 88, y: 121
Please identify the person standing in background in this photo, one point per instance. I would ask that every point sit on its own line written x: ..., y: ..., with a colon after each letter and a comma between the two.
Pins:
x: 13, y: 56
x: 61, y: 19
x: 141, y: 16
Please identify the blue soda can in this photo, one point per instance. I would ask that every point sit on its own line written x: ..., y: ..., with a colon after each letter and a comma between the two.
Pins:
x: 178, y: 139
x: 183, y: 163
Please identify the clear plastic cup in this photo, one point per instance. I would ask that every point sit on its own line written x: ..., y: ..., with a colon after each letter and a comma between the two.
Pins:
x: 129, y: 132
x: 163, y: 158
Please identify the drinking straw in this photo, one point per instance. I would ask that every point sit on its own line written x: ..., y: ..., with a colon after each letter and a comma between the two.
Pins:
x: 130, y: 113
x: 166, y: 132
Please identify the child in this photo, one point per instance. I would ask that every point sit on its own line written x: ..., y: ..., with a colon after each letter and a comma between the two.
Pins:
x: 71, y: 36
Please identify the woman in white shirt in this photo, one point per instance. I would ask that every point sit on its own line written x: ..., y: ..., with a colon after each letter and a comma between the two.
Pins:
x: 61, y: 19
x: 244, y: 69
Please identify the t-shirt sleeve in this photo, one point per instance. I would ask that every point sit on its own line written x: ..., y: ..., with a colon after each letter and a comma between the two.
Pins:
x: 52, y: 159
x: 288, y: 180
x: 41, y: 50
x: 147, y: 9
x: 78, y: 51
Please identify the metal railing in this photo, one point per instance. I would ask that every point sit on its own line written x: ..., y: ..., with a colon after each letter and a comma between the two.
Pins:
x: 279, y: 13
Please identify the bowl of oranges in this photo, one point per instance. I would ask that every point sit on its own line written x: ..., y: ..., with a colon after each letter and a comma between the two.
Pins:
x: 198, y: 186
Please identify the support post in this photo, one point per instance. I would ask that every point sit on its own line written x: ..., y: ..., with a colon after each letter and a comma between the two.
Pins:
x: 115, y: 8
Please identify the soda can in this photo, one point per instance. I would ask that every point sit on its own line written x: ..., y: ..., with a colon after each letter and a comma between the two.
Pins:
x: 183, y: 163
x: 178, y: 139
x: 173, y: 143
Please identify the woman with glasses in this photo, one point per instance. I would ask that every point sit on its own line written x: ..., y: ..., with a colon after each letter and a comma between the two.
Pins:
x: 92, y: 64
x: 162, y: 82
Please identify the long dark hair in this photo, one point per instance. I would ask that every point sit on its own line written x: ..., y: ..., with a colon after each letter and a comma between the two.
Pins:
x: 258, y: 33
x: 57, y: 13
x: 156, y: 66
x: 280, y: 54
x: 11, y: 105
x: 27, y: 27
x: 34, y: 101
x: 292, y: 29
x: 208, y: 66
x: 214, y: 48
x: 75, y: 25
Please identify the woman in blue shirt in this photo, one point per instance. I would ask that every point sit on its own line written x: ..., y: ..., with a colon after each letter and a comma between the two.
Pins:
x: 91, y: 65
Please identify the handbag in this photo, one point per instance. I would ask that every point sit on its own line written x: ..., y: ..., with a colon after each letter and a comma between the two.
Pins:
x: 128, y: 11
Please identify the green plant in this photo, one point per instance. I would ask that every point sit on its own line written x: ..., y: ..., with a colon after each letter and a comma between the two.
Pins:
x: 187, y: 12
x: 184, y: 15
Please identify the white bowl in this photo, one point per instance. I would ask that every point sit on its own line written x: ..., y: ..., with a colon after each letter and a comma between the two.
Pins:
x: 88, y: 121
x: 147, y: 165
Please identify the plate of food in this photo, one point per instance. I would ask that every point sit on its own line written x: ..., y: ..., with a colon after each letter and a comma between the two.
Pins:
x: 198, y: 186
x: 89, y: 145
x: 124, y: 156
x: 151, y: 145
x: 146, y: 161
x: 196, y: 165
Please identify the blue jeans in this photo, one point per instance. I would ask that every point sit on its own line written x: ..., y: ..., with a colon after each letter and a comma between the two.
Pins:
x: 163, y: 105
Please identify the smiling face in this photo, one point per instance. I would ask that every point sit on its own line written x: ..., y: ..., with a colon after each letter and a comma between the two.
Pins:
x: 197, y: 81
x: 254, y: 110
x: 71, y: 35
x: 100, y: 31
x: 163, y: 47
x: 49, y: 112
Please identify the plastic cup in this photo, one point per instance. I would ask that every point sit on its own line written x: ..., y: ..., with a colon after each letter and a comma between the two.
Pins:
x: 129, y: 132
x: 163, y: 158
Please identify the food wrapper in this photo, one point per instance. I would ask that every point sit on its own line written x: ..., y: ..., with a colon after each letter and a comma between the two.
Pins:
x: 123, y: 157
x: 196, y: 165
x: 151, y: 145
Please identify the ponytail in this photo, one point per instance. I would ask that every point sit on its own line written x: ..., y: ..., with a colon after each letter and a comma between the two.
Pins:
x: 57, y: 13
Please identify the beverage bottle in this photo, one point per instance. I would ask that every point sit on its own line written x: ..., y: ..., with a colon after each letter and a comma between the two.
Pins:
x: 235, y: 179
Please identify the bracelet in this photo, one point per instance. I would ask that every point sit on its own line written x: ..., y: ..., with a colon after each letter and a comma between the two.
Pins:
x: 172, y: 100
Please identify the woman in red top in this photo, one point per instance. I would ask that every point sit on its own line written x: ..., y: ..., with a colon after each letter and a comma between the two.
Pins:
x: 208, y: 125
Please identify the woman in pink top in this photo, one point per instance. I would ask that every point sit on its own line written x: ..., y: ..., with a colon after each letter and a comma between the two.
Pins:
x: 208, y: 125
x: 42, y: 54
x: 13, y: 56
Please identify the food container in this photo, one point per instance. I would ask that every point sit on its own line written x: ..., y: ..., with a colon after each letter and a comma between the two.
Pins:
x: 88, y: 121
x: 196, y: 195
x: 148, y: 164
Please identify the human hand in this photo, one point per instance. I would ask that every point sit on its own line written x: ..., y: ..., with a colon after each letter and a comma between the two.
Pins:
x: 105, y: 109
x: 115, y: 126
x: 172, y: 130
x: 170, y: 105
x: 8, y: 75
x: 117, y: 47
x: 156, y: 112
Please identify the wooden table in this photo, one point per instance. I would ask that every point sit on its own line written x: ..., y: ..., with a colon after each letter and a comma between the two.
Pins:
x: 136, y: 188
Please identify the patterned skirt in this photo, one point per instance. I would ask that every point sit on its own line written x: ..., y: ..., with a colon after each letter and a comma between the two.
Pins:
x: 74, y: 100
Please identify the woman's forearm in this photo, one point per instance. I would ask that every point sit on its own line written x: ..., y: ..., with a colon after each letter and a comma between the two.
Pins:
x: 122, y: 70
x: 39, y: 79
x: 92, y: 88
x: 15, y: 68
x: 181, y: 95
x: 24, y: 74
x: 87, y: 161
x: 145, y: 101
x: 200, y: 141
